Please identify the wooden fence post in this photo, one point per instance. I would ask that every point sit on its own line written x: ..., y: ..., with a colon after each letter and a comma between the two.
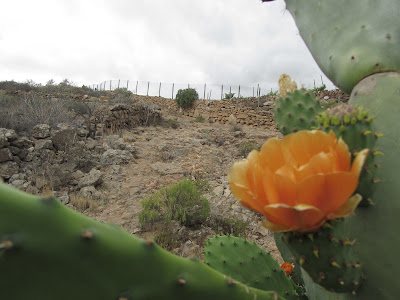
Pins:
x: 204, y: 91
x: 239, y: 92
x: 222, y: 91
x: 110, y: 84
x: 137, y: 82
x: 159, y: 91
x: 119, y: 81
x: 148, y: 86
x: 127, y: 85
x: 173, y: 85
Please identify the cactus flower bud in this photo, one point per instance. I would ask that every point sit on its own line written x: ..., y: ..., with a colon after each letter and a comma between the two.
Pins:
x: 299, y: 182
x: 287, y: 267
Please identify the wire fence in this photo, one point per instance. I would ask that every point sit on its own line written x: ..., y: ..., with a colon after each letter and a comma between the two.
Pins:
x: 169, y: 90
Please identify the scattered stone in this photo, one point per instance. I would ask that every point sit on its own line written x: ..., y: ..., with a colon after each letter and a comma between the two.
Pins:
x: 219, y: 191
x: 8, y: 169
x: 94, y: 178
x: 41, y: 131
x: 232, y: 120
x: 91, y: 192
x: 5, y: 155
x: 44, y: 144
x: 116, y: 157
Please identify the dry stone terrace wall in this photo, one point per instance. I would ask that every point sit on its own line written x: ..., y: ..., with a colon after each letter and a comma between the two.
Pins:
x: 247, y: 111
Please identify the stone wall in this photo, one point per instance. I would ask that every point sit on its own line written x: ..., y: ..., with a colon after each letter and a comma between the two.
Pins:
x: 111, y: 119
x: 246, y: 111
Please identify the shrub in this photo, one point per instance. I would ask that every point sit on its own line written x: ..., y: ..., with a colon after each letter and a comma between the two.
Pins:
x: 23, y: 113
x: 182, y: 202
x: 199, y: 119
x: 171, y: 123
x: 246, y: 147
x: 225, y: 226
x: 229, y: 95
x: 185, y: 98
x: 319, y: 89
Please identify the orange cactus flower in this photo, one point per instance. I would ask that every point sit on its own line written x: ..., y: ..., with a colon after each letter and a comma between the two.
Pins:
x: 287, y: 267
x: 299, y: 182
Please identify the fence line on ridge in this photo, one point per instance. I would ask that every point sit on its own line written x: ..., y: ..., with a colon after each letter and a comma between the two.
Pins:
x: 169, y: 90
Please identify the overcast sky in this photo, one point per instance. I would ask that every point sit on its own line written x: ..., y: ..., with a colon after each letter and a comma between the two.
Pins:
x: 243, y: 42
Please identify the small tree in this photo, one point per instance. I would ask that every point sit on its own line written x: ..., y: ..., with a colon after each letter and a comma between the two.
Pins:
x: 186, y: 97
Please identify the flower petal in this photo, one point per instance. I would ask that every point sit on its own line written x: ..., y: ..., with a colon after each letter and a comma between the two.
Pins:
x: 297, y: 217
x: 338, y: 188
x: 343, y: 156
x: 347, y: 208
x: 285, y: 190
x: 303, y: 145
x: 271, y: 154
x: 359, y: 162
x: 240, y: 186
x: 321, y: 163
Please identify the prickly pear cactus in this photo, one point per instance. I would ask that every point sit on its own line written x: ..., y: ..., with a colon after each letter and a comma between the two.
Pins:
x: 328, y: 256
x: 296, y: 111
x: 350, y: 39
x: 48, y: 251
x: 246, y: 262
x: 355, y: 127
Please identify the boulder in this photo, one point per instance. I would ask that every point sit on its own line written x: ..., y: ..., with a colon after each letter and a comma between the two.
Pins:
x: 5, y: 155
x: 41, y: 131
x: 116, y: 157
x: 44, y: 144
x: 94, y: 178
x: 9, y: 168
x: 9, y: 134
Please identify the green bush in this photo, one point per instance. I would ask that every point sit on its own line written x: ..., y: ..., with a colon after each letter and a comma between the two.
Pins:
x: 229, y: 95
x: 199, y: 119
x: 182, y: 202
x: 233, y: 227
x: 185, y: 98
x: 246, y: 147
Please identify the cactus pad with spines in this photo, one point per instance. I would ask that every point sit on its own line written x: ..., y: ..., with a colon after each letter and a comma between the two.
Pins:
x: 328, y: 256
x: 355, y: 126
x: 350, y: 39
x: 248, y: 263
x: 48, y: 251
x: 296, y: 111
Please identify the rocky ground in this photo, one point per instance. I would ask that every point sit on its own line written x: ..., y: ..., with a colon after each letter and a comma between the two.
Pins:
x: 118, y: 171
x: 167, y: 155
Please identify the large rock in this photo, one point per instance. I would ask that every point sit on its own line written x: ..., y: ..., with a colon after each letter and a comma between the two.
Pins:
x: 116, y: 157
x: 232, y: 120
x: 41, y: 131
x: 9, y: 168
x: 44, y: 144
x: 91, y: 192
x: 3, y: 141
x: 94, y: 178
x: 9, y: 134
x: 5, y: 155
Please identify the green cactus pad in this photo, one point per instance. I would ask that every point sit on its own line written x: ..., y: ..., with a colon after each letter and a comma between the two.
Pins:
x: 355, y: 127
x: 48, y: 251
x: 246, y: 262
x: 296, y: 276
x: 350, y: 39
x: 376, y: 227
x: 296, y: 111
x: 328, y: 256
